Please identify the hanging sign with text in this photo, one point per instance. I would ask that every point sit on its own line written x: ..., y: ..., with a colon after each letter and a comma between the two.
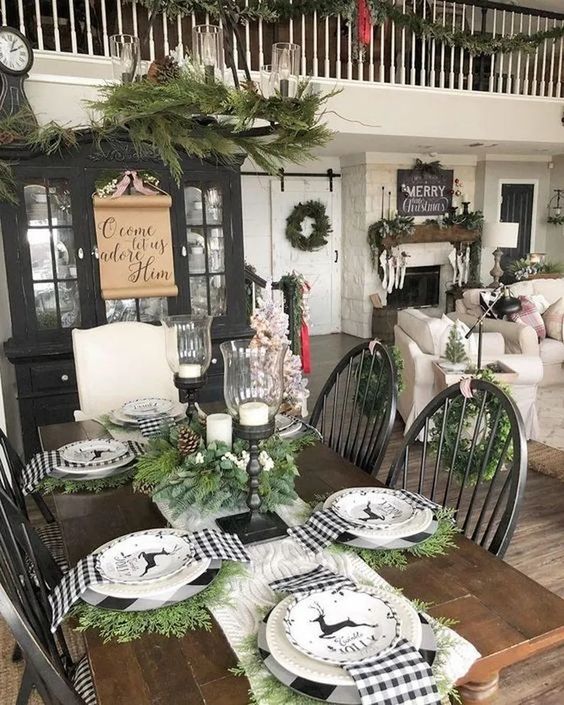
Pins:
x: 135, y: 246
x: 422, y: 193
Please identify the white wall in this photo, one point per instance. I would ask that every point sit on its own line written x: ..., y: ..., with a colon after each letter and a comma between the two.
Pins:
x: 555, y: 233
x: 491, y: 173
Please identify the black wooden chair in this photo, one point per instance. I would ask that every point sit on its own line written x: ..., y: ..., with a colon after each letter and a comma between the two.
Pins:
x: 471, y: 456
x: 27, y: 573
x: 12, y: 473
x: 356, y: 409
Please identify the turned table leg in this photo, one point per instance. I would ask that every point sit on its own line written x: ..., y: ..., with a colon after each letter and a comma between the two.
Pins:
x: 482, y: 692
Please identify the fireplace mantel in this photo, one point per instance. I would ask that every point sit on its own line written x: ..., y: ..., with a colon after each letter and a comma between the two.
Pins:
x: 432, y: 233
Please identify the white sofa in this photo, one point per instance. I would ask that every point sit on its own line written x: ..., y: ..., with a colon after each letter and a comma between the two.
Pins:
x: 521, y: 339
x: 417, y: 343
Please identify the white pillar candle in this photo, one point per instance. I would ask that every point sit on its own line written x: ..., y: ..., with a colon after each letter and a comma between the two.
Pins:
x: 219, y: 429
x: 464, y: 198
x: 253, y: 413
x: 189, y: 371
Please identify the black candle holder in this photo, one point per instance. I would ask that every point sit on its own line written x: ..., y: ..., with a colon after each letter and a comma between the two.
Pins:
x: 254, y: 526
x: 452, y: 210
x: 465, y: 207
x: 188, y: 392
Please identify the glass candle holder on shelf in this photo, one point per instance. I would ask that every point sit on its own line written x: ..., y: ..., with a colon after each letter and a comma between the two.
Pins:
x: 188, y: 353
x: 125, y: 56
x: 253, y: 381
x: 266, y: 85
x: 207, y: 50
x: 253, y: 384
x: 285, y: 68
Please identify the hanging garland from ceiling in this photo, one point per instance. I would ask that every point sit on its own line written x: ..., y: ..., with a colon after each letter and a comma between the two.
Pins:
x: 319, y: 232
x: 381, y: 11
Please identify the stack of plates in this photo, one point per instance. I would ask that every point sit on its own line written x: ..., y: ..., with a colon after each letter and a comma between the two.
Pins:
x: 130, y: 412
x: 381, y: 518
x: 288, y: 426
x: 93, y: 460
x: 305, y: 641
x: 147, y: 570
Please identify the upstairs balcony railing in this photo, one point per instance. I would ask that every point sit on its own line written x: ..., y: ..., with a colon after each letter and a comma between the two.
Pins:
x: 393, y: 55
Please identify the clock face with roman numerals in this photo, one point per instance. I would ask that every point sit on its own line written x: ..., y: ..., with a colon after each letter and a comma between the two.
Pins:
x: 16, y: 55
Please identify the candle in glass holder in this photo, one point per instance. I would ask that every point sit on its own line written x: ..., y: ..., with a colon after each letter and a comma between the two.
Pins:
x: 253, y: 413
x: 189, y: 371
x: 219, y: 429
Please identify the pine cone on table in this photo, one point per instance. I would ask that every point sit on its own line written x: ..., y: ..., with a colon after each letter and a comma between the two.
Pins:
x: 188, y: 441
x: 163, y: 70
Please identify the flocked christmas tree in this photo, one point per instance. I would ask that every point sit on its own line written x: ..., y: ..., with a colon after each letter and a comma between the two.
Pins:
x: 455, y: 350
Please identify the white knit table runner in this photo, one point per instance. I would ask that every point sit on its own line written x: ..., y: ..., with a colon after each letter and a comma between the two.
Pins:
x: 250, y: 595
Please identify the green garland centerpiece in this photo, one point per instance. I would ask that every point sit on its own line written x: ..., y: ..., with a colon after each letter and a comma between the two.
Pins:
x: 64, y: 486
x: 182, y: 471
x: 320, y: 231
x: 523, y: 268
x: 395, y: 229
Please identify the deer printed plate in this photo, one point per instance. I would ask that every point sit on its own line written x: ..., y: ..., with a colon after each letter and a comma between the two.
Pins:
x: 341, y: 625
x: 101, y: 451
x: 142, y: 408
x: 376, y: 508
x: 145, y: 556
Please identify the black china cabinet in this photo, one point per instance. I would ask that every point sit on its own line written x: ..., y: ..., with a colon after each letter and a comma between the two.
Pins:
x: 53, y: 275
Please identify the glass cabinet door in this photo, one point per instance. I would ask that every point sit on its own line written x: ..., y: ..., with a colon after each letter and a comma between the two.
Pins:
x: 206, y: 217
x: 52, y: 247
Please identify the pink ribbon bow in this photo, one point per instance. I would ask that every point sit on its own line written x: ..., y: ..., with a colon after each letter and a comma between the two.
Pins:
x: 466, y: 387
x: 132, y: 178
x: 372, y: 345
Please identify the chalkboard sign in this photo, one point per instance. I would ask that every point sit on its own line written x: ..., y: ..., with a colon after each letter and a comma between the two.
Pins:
x: 422, y: 193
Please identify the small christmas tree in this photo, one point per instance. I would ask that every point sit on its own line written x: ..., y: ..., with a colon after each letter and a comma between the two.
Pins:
x: 455, y: 350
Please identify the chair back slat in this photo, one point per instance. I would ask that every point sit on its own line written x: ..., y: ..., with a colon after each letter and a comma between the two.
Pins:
x: 469, y: 454
x: 356, y: 409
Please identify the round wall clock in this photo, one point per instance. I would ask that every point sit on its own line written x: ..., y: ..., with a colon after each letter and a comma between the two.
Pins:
x: 16, y: 59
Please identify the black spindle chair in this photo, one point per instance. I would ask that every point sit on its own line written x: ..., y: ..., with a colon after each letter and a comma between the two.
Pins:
x: 356, y: 409
x: 12, y: 471
x: 469, y: 454
x: 27, y: 573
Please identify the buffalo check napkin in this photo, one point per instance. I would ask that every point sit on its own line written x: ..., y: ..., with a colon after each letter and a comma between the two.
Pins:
x: 400, y: 675
x: 42, y: 465
x: 324, y: 526
x: 155, y: 425
x: 206, y: 543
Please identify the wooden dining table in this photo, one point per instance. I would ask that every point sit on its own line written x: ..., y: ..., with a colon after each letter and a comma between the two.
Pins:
x: 506, y: 615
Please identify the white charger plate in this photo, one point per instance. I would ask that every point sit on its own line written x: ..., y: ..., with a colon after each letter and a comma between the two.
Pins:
x: 79, y: 474
x: 119, y: 419
x: 341, y: 625
x: 98, y: 470
x: 144, y: 556
x: 90, y: 453
x: 148, y: 406
x: 374, y: 508
x: 420, y: 520
x: 307, y: 667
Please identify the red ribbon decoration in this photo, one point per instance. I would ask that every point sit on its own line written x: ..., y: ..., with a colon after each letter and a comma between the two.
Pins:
x: 305, y: 351
x: 132, y: 178
x: 363, y: 23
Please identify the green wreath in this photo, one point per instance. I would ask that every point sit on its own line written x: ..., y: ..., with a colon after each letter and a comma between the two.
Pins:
x: 321, y: 226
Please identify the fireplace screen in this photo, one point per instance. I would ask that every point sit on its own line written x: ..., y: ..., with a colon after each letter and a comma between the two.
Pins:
x: 420, y: 289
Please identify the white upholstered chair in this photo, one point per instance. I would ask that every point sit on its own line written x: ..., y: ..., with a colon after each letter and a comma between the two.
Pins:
x: 119, y: 362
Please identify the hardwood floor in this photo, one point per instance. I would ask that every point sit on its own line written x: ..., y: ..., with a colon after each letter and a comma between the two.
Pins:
x: 537, y: 548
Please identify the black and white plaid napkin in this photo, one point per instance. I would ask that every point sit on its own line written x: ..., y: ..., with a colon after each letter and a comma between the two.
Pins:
x: 395, y: 677
x: 42, y: 464
x: 317, y: 579
x: 207, y: 544
x: 155, y: 425
x: 325, y: 525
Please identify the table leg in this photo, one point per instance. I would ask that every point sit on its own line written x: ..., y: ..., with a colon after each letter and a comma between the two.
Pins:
x: 483, y: 692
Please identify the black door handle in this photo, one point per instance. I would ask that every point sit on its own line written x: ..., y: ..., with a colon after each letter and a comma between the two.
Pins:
x: 336, y: 256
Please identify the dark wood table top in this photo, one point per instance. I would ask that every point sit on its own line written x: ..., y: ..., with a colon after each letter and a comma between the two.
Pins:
x: 506, y: 615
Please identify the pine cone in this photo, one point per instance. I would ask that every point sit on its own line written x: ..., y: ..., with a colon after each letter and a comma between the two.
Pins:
x: 6, y: 137
x: 163, y: 70
x: 188, y: 441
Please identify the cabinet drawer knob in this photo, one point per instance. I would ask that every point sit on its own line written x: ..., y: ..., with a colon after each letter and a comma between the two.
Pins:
x: 64, y: 378
x: 80, y: 253
x: 214, y: 361
x: 183, y: 251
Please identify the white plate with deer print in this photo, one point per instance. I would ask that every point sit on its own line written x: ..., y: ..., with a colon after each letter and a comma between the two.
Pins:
x: 145, y: 556
x: 150, y: 406
x: 342, y: 625
x: 93, y: 453
x: 353, y: 501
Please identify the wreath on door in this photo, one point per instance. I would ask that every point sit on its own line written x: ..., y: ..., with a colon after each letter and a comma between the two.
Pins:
x: 320, y: 230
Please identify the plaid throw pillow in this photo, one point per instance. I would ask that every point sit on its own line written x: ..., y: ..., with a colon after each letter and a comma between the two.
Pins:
x: 529, y: 316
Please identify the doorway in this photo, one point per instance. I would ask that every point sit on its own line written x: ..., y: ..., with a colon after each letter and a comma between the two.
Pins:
x: 518, y: 206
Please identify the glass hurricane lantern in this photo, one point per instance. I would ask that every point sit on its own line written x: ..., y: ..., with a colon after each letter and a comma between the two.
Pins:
x: 188, y: 353
x: 253, y: 385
